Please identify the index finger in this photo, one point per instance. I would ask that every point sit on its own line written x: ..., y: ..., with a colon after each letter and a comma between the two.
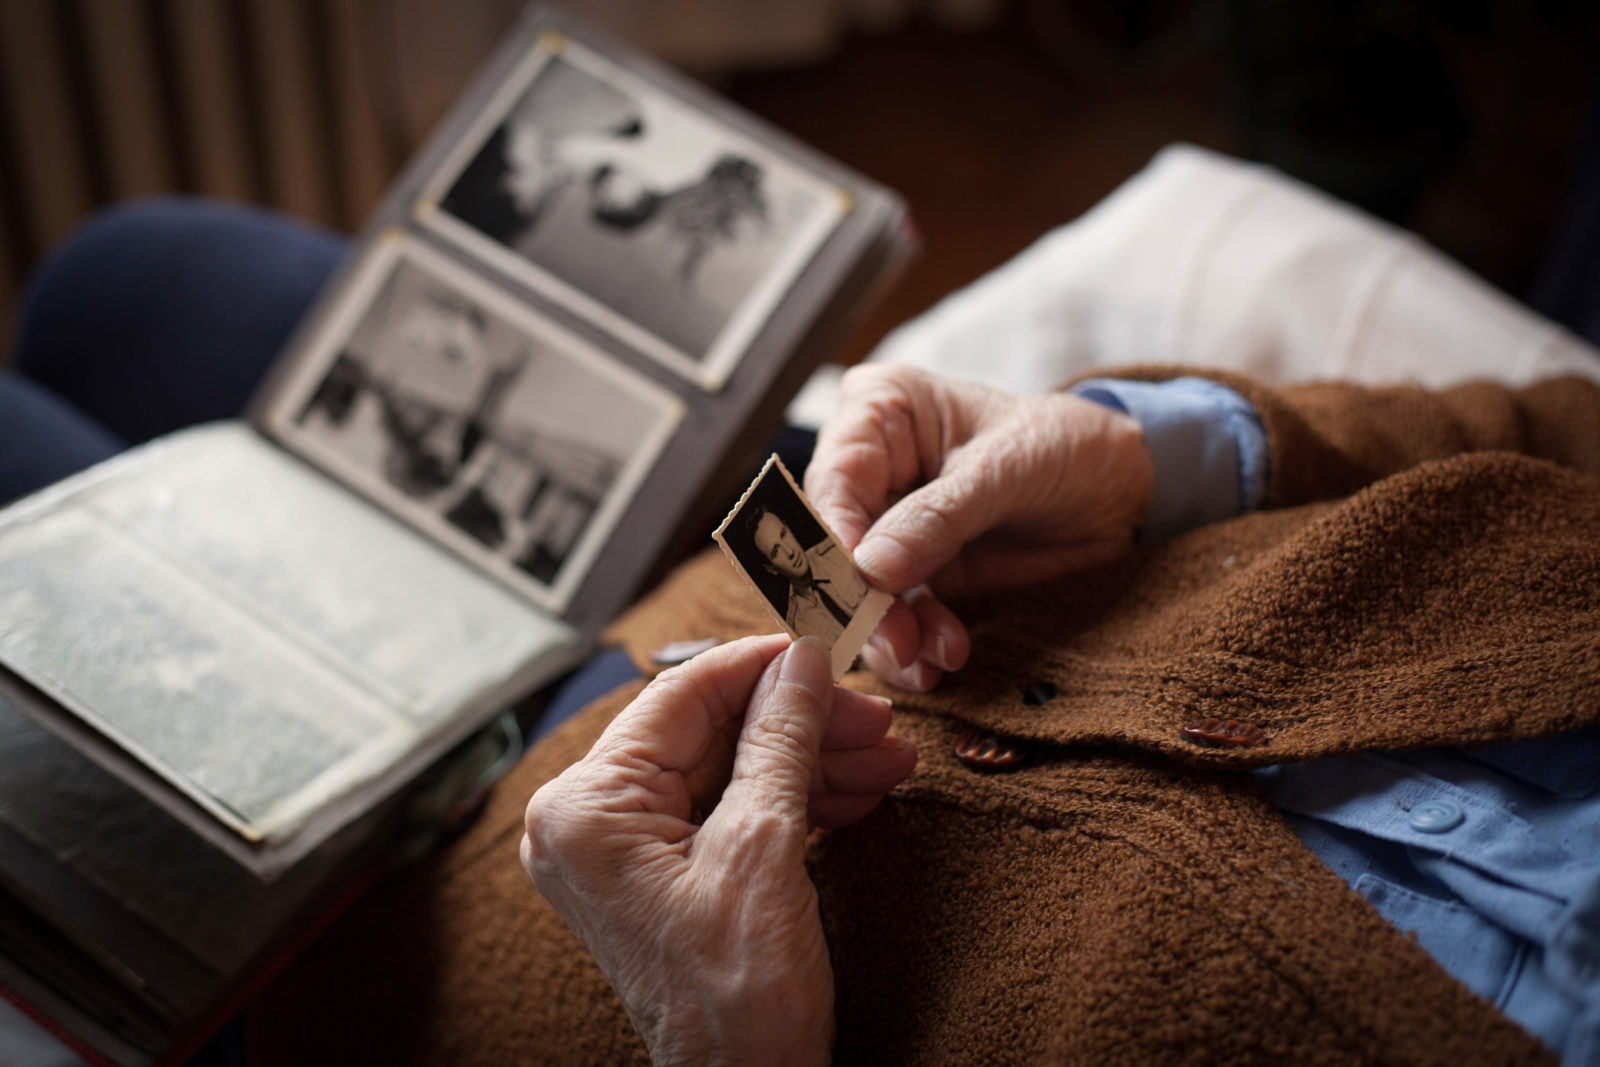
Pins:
x: 673, y: 723
x: 871, y: 448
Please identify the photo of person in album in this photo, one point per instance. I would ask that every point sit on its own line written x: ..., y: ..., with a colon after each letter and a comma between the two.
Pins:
x: 441, y: 396
x: 530, y: 162
x: 526, y: 169
x: 694, y: 218
x: 663, y: 224
x: 796, y: 565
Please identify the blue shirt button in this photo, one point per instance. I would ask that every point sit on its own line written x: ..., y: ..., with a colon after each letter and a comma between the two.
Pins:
x: 1435, y: 817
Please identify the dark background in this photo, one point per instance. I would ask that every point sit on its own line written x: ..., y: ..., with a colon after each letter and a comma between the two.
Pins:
x: 997, y: 119
x: 1457, y: 120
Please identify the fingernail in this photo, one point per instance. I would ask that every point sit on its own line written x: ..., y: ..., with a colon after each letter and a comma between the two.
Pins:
x: 878, y: 662
x: 921, y: 676
x: 875, y: 698
x: 940, y: 656
x: 806, y: 664
x: 886, y: 648
x: 880, y: 557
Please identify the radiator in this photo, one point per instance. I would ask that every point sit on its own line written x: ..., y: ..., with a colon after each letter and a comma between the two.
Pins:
x: 305, y: 105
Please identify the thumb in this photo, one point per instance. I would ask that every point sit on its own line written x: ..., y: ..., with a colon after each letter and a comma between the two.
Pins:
x: 782, y: 736
x: 928, y: 528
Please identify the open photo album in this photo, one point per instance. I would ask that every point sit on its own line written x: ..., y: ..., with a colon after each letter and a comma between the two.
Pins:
x: 549, y: 361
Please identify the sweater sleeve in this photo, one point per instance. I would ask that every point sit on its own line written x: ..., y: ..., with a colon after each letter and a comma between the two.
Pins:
x: 1329, y: 440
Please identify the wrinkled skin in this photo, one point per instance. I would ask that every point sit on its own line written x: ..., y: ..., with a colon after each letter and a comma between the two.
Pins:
x: 942, y: 487
x: 708, y: 928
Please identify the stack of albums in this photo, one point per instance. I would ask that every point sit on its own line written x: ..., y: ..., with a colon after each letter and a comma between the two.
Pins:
x: 554, y: 354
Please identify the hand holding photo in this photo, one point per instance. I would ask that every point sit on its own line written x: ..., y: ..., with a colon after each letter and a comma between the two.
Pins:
x: 788, y: 555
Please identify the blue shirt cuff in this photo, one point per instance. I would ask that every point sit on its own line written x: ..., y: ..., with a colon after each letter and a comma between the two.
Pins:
x: 1207, y: 448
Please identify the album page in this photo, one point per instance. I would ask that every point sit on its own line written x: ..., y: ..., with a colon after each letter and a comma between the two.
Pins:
x: 260, y: 638
x: 489, y: 429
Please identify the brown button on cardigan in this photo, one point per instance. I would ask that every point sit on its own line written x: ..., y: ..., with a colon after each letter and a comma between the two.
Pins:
x: 1427, y: 573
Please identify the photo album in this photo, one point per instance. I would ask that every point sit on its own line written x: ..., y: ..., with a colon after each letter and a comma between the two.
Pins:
x: 551, y: 359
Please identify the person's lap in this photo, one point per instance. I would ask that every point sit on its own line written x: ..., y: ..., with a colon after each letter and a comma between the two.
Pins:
x: 153, y: 316
x: 44, y: 438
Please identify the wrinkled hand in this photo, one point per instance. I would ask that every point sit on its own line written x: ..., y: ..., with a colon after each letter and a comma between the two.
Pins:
x: 953, y: 487
x: 709, y: 932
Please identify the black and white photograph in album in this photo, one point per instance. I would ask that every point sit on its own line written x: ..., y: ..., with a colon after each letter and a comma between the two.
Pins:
x: 508, y: 436
x: 669, y: 229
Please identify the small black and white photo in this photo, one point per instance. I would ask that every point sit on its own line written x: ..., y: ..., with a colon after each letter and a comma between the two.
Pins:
x: 662, y: 226
x: 474, y: 419
x: 790, y: 557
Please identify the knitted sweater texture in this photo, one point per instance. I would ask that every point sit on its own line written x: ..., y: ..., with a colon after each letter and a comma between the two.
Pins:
x: 1426, y: 572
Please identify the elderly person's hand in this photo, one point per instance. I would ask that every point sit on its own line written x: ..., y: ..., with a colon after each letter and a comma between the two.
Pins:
x: 709, y: 929
x: 950, y: 486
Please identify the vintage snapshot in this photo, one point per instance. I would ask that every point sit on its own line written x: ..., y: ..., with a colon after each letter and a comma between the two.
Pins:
x: 664, y: 227
x: 492, y: 430
x: 789, y: 556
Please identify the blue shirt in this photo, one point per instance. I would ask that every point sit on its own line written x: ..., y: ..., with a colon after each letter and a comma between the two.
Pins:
x: 1491, y: 856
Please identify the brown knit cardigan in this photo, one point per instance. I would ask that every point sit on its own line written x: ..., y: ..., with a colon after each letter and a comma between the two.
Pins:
x: 1427, y: 572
